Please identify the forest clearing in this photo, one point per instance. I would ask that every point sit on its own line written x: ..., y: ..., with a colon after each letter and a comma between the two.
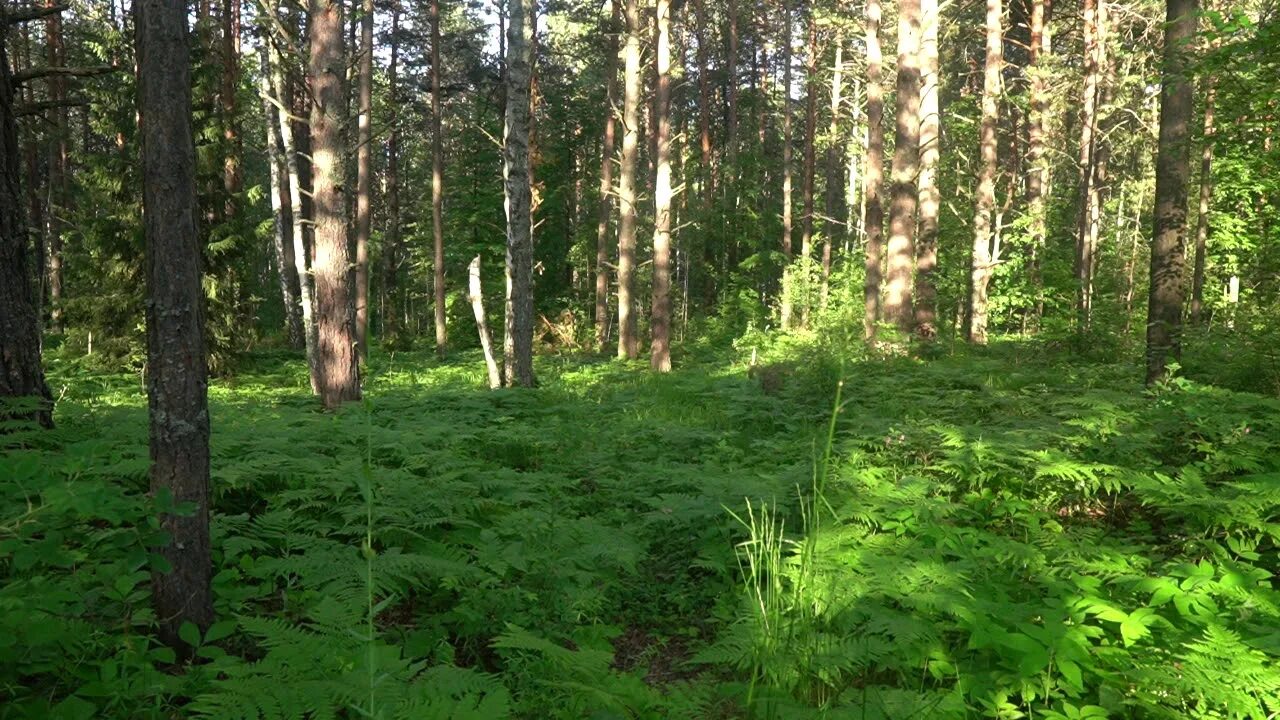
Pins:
x: 639, y: 359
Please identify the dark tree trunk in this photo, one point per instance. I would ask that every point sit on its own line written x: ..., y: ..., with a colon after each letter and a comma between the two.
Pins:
x: 606, y: 186
x: 519, y: 371
x: 231, y: 175
x: 437, y: 186
x: 337, y: 361
x: 58, y: 152
x: 391, y: 241
x: 24, y: 396
x: 364, y: 175
x: 1206, y: 200
x: 177, y: 376
x: 1164, y: 308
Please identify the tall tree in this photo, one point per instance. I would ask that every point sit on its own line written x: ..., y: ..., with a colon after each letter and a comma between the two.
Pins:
x: 519, y: 371
x: 1038, y: 175
x: 364, y: 173
x: 982, y: 261
x: 437, y: 185
x: 810, y: 143
x: 58, y: 156
x: 177, y: 376
x: 1164, y: 303
x: 873, y: 178
x: 1206, y: 198
x: 21, y: 374
x: 1088, y: 161
x: 787, y: 150
x: 337, y: 358
x: 281, y: 217
x: 660, y: 355
x: 926, y: 297
x: 231, y: 173
x: 906, y: 165
x: 391, y: 180
x: 628, y: 342
x: 834, y: 228
x: 606, y: 184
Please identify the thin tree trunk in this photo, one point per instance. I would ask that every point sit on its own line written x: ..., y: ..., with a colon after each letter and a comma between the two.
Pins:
x: 476, y: 296
x: 628, y: 343
x: 391, y: 241
x: 282, y: 218
x: 437, y: 184
x: 810, y: 147
x: 834, y: 166
x: 606, y: 186
x: 364, y: 174
x: 873, y: 179
x: 1206, y: 200
x: 232, y: 145
x: 1088, y: 157
x: 1037, y: 158
x: 21, y: 374
x: 983, y: 262
x: 660, y: 319
x: 926, y: 298
x: 1164, y: 305
x: 337, y: 357
x: 788, y: 142
x: 906, y: 165
x: 519, y: 192
x: 177, y: 374
x: 58, y: 153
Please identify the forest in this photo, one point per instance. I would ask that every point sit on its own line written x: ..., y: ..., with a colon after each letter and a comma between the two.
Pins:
x: 639, y: 359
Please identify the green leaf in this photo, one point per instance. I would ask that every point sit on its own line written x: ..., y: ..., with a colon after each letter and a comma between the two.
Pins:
x: 220, y: 630
x: 189, y: 633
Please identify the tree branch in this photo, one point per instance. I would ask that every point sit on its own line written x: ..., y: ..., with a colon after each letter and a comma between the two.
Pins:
x: 21, y: 15
x: 37, y: 73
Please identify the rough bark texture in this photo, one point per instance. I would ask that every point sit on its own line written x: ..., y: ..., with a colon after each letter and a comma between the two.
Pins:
x: 58, y: 152
x: 606, y: 186
x: 810, y: 142
x: 391, y: 240
x: 437, y: 186
x: 22, y: 385
x: 982, y: 262
x: 834, y: 228
x: 1037, y: 159
x: 177, y: 376
x: 519, y: 370
x: 628, y: 342
x: 476, y: 295
x: 1206, y: 200
x: 926, y: 297
x: 1088, y: 164
x: 906, y: 164
x: 364, y: 174
x: 660, y: 318
x: 1164, y: 305
x: 873, y: 177
x: 281, y: 215
x: 337, y: 359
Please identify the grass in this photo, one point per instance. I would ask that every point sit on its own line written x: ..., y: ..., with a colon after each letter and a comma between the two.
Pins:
x: 1001, y: 534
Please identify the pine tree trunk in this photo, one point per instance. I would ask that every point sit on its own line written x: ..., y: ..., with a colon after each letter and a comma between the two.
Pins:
x: 926, y: 297
x: 391, y: 240
x: 437, y: 186
x: 1164, y: 305
x: 606, y: 187
x: 873, y: 179
x: 810, y: 148
x: 660, y: 319
x: 519, y: 193
x: 788, y: 142
x: 628, y: 342
x: 232, y: 146
x: 58, y: 153
x: 364, y: 174
x: 282, y: 219
x: 297, y: 209
x: 1088, y: 160
x: 834, y: 227
x: 1206, y: 200
x: 982, y: 262
x: 24, y: 396
x: 337, y: 357
x: 906, y: 165
x: 177, y: 375
x: 1038, y: 160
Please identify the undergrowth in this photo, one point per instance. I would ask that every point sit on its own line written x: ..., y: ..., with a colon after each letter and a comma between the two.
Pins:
x: 1001, y: 534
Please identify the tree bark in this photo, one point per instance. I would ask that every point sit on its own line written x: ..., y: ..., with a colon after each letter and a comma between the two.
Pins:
x: 982, y: 261
x: 337, y: 363
x: 391, y: 241
x: 788, y: 141
x: 926, y: 297
x: 873, y: 177
x: 810, y: 147
x: 281, y: 215
x: 519, y: 192
x: 437, y: 186
x: 1038, y: 177
x: 476, y: 296
x: 58, y: 154
x: 660, y: 318
x: 232, y: 146
x: 606, y: 186
x: 834, y: 228
x: 177, y: 375
x: 364, y: 174
x: 628, y: 342
x: 1088, y: 160
x: 1164, y: 305
x: 24, y: 396
x: 906, y: 165
x: 1206, y: 200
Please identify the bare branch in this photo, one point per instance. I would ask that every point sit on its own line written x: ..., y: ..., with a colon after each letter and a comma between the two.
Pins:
x: 87, y: 71
x: 21, y: 15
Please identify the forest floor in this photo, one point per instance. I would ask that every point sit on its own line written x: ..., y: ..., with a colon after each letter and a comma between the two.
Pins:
x: 1009, y: 533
